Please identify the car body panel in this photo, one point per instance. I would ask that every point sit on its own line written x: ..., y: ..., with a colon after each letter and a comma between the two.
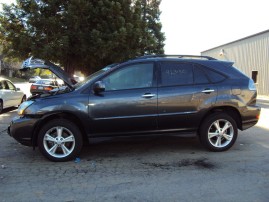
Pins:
x: 178, y: 106
x: 119, y: 110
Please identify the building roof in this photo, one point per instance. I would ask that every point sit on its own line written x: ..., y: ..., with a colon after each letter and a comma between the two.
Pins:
x: 260, y: 33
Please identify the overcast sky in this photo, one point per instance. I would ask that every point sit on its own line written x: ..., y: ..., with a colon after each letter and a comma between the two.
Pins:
x: 192, y: 26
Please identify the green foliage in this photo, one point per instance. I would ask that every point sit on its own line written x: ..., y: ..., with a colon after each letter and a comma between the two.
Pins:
x: 81, y: 34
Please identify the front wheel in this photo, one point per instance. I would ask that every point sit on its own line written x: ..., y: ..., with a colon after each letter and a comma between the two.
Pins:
x: 218, y: 132
x: 60, y: 140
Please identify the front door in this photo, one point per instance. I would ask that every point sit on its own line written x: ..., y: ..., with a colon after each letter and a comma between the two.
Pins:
x: 128, y: 104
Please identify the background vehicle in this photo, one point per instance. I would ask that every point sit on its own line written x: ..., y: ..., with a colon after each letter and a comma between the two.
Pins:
x: 10, y: 96
x: 153, y: 95
x: 43, y: 86
x: 33, y: 79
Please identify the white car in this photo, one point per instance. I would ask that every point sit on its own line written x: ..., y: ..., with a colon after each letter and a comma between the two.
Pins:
x: 10, y: 96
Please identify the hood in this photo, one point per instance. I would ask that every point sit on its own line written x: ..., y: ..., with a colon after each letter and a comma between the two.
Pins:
x: 33, y: 63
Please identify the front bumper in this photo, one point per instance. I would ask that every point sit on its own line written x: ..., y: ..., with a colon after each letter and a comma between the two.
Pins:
x: 22, y: 130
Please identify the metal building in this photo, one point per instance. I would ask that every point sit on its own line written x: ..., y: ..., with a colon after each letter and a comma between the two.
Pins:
x: 250, y: 55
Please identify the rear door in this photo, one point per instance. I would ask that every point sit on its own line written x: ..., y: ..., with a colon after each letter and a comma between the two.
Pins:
x: 129, y: 102
x: 184, y: 93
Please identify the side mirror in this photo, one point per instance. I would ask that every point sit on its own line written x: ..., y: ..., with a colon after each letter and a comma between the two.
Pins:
x: 18, y: 89
x: 98, y: 87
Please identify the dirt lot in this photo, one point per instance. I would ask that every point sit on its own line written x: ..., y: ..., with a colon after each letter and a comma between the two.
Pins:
x: 151, y: 169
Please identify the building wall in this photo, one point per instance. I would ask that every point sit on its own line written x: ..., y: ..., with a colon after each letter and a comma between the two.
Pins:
x: 248, y: 54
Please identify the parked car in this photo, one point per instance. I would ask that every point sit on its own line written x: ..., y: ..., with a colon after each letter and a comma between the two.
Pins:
x: 33, y: 79
x: 153, y: 95
x: 43, y: 86
x: 10, y: 96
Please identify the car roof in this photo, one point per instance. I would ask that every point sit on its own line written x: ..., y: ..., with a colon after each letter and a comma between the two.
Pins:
x: 225, y: 67
x: 4, y: 79
x: 193, y: 59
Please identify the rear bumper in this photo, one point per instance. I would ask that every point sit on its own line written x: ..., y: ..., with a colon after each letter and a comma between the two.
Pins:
x: 250, y: 116
x: 22, y: 130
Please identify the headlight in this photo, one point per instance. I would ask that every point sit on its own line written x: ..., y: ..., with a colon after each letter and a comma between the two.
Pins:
x: 24, y: 106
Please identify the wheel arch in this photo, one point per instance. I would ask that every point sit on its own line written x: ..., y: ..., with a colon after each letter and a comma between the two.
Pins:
x: 61, y: 115
x: 231, y: 111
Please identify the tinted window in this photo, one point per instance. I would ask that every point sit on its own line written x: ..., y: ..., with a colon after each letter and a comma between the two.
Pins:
x: 214, y: 76
x: 4, y: 84
x: 175, y: 73
x: 199, y: 75
x: 45, y: 82
x: 130, y: 77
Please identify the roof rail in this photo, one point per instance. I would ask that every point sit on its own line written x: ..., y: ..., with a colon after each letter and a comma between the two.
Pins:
x: 176, y: 56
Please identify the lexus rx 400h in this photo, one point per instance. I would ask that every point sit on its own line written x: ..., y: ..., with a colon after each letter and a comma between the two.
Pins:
x: 149, y: 95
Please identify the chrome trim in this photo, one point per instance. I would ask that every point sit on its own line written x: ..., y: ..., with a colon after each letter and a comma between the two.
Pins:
x: 208, y: 91
x: 148, y: 95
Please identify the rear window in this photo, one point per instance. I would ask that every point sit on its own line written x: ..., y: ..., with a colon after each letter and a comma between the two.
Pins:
x: 212, y: 75
x: 45, y: 82
x: 200, y: 76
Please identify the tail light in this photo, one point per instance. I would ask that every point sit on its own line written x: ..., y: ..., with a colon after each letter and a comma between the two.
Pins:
x: 33, y: 87
x: 48, y: 88
x: 251, y: 85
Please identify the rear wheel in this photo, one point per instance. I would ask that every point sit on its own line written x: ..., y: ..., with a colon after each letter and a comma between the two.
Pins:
x: 218, y: 132
x: 60, y: 140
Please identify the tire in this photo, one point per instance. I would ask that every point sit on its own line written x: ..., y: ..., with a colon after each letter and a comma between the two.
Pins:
x: 65, y: 145
x: 1, y: 106
x: 218, y: 132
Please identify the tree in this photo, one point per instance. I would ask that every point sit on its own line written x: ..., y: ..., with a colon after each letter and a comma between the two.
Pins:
x: 152, y: 37
x: 81, y: 34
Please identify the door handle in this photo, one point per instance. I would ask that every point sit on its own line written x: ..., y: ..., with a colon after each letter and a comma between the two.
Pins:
x: 148, y: 95
x: 208, y: 91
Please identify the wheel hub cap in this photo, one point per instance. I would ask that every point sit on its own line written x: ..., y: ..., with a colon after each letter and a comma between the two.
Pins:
x: 220, y: 133
x: 59, y: 142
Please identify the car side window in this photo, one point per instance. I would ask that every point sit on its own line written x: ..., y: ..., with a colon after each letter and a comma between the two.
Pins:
x: 176, y: 73
x: 214, y: 76
x: 199, y: 75
x: 130, y: 77
x: 10, y: 86
x: 4, y: 84
x: 1, y: 85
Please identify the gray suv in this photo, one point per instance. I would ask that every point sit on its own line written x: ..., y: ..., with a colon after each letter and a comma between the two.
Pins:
x: 149, y: 95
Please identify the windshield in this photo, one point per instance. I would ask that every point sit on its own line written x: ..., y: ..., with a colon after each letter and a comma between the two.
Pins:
x: 93, y: 76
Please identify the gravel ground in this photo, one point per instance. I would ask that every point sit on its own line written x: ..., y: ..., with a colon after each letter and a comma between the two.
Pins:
x: 148, y: 169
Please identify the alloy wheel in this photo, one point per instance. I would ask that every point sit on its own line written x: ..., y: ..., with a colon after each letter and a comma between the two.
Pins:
x: 59, y: 142
x: 220, y: 133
